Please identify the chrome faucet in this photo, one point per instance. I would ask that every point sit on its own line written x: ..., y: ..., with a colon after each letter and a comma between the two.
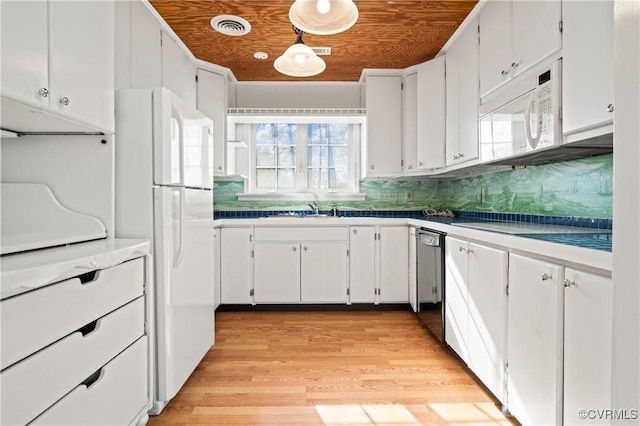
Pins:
x: 314, y: 207
x: 334, y: 210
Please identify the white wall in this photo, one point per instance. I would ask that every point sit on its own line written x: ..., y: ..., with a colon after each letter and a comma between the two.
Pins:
x: 626, y: 211
x: 298, y: 95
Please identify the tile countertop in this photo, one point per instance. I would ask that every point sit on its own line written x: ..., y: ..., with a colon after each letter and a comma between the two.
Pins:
x: 589, y: 249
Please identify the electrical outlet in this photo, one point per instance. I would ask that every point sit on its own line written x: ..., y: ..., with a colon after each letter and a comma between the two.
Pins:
x: 408, y: 196
x: 389, y: 196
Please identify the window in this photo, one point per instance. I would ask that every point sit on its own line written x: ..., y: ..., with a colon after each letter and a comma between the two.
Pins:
x: 303, y: 157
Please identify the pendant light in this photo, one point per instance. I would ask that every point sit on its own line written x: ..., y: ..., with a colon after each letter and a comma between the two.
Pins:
x: 299, y: 60
x: 323, y: 17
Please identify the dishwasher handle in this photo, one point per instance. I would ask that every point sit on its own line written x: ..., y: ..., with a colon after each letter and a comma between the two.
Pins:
x: 429, y: 238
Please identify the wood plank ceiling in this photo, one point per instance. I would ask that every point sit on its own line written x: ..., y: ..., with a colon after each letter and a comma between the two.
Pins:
x: 388, y: 34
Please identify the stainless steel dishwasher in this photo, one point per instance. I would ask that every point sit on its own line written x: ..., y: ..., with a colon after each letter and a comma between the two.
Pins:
x: 430, y: 280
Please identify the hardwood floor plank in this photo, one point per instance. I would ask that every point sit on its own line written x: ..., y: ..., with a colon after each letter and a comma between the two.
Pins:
x: 329, y: 368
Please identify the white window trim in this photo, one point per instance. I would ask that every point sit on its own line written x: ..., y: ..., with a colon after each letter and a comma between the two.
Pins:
x: 298, y: 194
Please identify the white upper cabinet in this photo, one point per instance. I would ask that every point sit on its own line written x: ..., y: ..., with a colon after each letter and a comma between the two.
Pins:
x: 587, y: 67
x: 431, y: 114
x: 212, y: 101
x: 58, y: 56
x: 382, y: 149
x: 462, y: 97
x: 178, y: 70
x: 514, y: 36
x: 410, y: 123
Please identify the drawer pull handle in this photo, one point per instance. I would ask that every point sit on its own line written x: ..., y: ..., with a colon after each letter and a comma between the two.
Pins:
x: 89, y: 328
x: 92, y: 379
x: 89, y: 276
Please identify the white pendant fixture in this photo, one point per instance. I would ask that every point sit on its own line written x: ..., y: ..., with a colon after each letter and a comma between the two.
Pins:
x: 299, y: 60
x: 323, y: 17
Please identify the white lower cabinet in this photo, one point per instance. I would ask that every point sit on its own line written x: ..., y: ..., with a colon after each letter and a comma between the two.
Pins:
x: 392, y: 264
x: 293, y: 265
x: 236, y: 265
x: 217, y: 263
x: 588, y: 315
x: 475, y: 311
x: 379, y: 259
x: 534, y: 378
x: 276, y: 269
x: 75, y: 352
x: 362, y: 255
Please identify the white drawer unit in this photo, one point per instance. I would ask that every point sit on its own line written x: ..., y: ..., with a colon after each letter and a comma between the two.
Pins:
x: 85, y: 405
x: 74, y: 345
x: 35, y: 383
x: 294, y: 233
x: 38, y: 318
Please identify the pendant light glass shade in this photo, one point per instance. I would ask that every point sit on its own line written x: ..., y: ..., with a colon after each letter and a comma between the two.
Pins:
x: 299, y: 60
x: 323, y: 17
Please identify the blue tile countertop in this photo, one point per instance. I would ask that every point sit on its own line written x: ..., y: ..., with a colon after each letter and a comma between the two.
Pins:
x: 591, y: 233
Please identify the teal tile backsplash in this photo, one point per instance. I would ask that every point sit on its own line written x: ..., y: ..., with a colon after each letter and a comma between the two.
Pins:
x: 573, y: 188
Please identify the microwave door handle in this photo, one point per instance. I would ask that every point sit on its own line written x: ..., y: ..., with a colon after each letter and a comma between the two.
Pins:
x: 533, y: 142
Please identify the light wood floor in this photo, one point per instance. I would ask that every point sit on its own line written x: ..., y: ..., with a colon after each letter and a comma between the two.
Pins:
x: 329, y: 368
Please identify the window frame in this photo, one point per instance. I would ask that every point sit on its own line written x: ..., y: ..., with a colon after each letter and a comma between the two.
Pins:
x: 302, y: 190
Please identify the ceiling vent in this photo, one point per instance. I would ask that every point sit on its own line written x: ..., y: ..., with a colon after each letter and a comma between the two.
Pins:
x: 322, y: 51
x: 231, y: 25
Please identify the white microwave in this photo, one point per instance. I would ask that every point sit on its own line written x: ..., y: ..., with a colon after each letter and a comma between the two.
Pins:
x: 523, y: 117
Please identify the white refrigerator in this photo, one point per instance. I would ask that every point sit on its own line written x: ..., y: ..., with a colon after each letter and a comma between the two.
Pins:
x: 164, y: 192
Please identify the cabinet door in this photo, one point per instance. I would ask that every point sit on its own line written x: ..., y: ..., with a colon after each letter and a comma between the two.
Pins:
x: 24, y: 51
x: 383, y: 145
x: 217, y: 262
x: 324, y: 272
x: 456, y: 296
x: 81, y: 61
x: 178, y: 71
x: 462, y: 97
x: 236, y: 269
x: 212, y: 101
x: 276, y: 272
x: 495, y: 45
x: 534, y: 382
x: 413, y: 277
x: 431, y: 114
x: 362, y: 264
x: 410, y: 123
x: 487, y: 272
x: 536, y: 32
x: 393, y: 261
x: 145, y: 44
x: 587, y: 64
x: 588, y: 316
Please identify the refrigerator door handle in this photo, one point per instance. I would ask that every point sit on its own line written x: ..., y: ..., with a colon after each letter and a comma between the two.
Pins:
x: 176, y: 115
x: 177, y: 258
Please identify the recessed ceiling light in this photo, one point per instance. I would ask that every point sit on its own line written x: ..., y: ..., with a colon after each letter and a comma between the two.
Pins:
x: 230, y: 25
x: 261, y: 55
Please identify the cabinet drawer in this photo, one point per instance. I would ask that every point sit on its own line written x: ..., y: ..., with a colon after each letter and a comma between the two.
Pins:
x: 35, y: 383
x: 117, y: 396
x: 33, y: 320
x: 301, y: 234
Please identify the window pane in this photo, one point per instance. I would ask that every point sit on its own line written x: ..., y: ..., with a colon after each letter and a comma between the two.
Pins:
x: 287, y: 156
x: 317, y: 134
x: 317, y: 178
x: 265, y: 178
x: 339, y: 156
x: 286, y: 134
x: 265, y: 156
x: 265, y: 134
x: 286, y: 178
x: 338, y: 178
x: 338, y: 134
x: 318, y: 156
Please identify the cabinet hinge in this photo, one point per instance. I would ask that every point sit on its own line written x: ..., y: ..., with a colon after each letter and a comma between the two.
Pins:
x: 401, y: 163
x: 560, y: 26
x: 250, y: 238
x: 348, y: 292
x: 401, y: 86
x: 347, y: 252
x: 251, y: 292
x: 251, y: 253
x: 507, y: 290
x: 196, y: 78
